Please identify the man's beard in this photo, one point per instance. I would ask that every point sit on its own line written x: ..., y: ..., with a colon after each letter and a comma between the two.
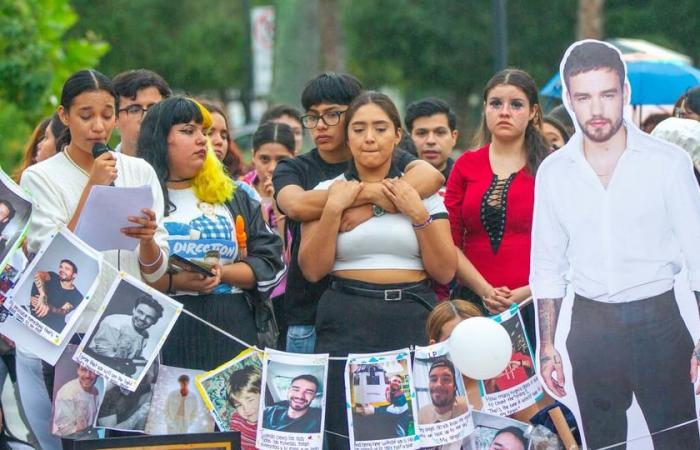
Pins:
x: 65, y: 278
x: 139, y: 325
x: 295, y: 405
x: 443, y: 401
x: 599, y: 137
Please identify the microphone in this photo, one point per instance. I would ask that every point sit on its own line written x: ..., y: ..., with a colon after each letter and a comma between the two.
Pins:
x: 99, y: 149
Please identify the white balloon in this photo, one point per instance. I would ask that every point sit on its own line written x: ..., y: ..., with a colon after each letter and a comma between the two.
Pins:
x: 480, y: 348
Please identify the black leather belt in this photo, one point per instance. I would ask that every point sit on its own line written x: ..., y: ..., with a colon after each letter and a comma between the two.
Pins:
x: 388, y: 295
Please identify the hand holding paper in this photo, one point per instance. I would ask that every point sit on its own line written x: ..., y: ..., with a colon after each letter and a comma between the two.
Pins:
x: 107, y: 213
x: 146, y: 228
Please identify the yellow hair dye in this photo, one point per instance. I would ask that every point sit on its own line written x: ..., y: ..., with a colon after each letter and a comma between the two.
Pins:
x: 212, y: 184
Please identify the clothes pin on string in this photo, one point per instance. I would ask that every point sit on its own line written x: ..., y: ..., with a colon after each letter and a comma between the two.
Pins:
x: 241, y: 236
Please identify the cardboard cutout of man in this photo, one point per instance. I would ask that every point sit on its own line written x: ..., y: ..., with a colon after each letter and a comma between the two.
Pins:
x: 616, y: 214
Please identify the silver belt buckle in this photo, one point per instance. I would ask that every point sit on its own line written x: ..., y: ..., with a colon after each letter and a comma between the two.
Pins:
x: 392, y: 295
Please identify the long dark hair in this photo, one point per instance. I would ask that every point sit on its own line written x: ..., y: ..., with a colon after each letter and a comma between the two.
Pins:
x: 376, y: 98
x: 536, y: 147
x: 275, y: 133
x: 233, y: 161
x: 30, y: 150
x: 153, y: 137
x: 87, y: 80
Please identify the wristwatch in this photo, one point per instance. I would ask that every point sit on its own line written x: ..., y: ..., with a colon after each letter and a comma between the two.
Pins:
x: 377, y: 211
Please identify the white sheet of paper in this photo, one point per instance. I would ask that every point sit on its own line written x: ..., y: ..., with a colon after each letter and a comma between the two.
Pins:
x: 106, y: 212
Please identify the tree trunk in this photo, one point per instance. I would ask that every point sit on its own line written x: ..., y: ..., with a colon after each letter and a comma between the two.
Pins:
x: 332, y: 36
x: 296, y: 49
x: 590, y: 19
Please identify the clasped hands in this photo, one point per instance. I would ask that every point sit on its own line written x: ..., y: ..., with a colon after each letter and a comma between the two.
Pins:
x: 499, y: 299
x: 391, y: 194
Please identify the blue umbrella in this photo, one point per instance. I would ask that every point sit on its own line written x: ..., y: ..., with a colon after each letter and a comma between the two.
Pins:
x: 653, y: 82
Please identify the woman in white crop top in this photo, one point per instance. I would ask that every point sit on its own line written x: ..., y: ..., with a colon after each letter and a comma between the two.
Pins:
x: 379, y: 295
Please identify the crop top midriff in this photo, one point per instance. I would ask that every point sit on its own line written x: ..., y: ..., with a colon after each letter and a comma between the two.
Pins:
x: 384, y: 242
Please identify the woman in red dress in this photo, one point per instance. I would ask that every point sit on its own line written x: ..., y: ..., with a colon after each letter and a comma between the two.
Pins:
x: 490, y: 195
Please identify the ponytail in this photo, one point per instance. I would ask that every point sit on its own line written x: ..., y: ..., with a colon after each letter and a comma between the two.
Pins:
x: 63, y: 140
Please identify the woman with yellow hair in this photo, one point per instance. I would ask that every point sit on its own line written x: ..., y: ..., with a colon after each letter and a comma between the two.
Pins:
x: 203, y: 207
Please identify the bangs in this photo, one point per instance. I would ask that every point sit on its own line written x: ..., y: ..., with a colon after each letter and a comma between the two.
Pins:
x: 340, y: 89
x: 207, y: 121
x: 186, y: 110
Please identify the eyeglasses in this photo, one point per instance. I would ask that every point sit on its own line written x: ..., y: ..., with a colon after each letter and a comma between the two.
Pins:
x: 135, y: 111
x: 330, y: 118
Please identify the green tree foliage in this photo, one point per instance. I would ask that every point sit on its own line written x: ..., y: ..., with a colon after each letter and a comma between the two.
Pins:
x: 35, y: 60
x: 670, y: 24
x: 445, y: 47
x: 195, y: 46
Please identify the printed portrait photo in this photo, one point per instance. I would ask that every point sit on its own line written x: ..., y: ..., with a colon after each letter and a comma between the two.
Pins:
x: 293, y: 398
x: 440, y: 390
x: 233, y: 394
x: 15, y: 209
x: 76, y: 398
x: 124, y: 410
x: 56, y: 286
x: 176, y: 407
x: 520, y: 368
x: 126, y: 337
x: 497, y: 433
x: 380, y: 396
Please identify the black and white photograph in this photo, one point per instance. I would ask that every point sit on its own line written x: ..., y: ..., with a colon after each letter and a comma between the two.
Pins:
x: 293, y: 405
x: 76, y: 398
x: 124, y: 410
x: 177, y: 407
x: 15, y: 209
x: 129, y: 330
x: 441, y: 397
x: 56, y: 286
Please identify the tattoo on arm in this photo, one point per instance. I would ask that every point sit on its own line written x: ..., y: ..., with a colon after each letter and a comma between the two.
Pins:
x: 548, y: 312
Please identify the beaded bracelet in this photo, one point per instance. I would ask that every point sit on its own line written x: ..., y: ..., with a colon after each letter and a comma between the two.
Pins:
x: 160, y: 256
x: 420, y: 226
